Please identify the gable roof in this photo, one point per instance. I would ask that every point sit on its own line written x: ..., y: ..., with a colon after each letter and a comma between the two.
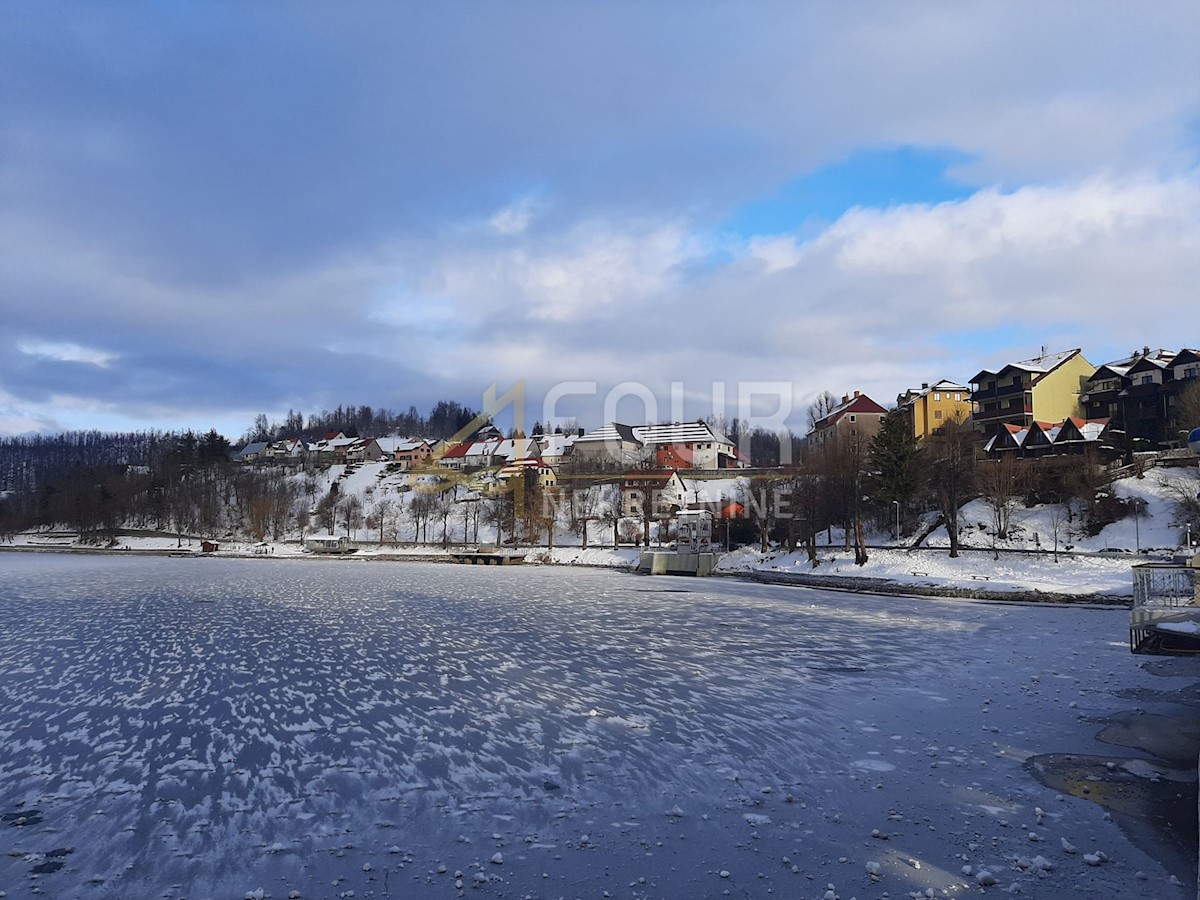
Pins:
x: 399, y: 444
x: 1045, y: 434
x: 673, y: 433
x: 456, y: 451
x: 1147, y: 363
x: 556, y: 444
x: 943, y: 387
x: 859, y: 403
x: 1039, y: 365
x: 251, y: 449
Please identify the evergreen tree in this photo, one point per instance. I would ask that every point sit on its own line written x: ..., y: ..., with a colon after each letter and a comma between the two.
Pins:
x: 895, y: 463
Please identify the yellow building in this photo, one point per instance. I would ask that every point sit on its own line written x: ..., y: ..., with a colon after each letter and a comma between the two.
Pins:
x: 932, y: 407
x: 1044, y: 389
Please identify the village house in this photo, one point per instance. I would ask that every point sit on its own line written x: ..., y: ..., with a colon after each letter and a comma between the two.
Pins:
x: 1139, y: 393
x: 1044, y: 389
x: 853, y: 422
x: 1070, y: 436
x: 679, y: 445
x: 931, y: 407
x: 407, y: 452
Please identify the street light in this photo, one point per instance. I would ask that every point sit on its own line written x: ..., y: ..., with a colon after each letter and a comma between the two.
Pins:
x: 896, y: 503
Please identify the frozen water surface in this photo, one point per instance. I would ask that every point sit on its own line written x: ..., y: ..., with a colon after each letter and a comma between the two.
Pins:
x: 206, y: 728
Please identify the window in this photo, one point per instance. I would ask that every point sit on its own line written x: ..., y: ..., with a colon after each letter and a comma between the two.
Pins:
x: 937, y: 413
x: 957, y: 398
x: 1191, y: 372
x: 853, y: 418
x: 1147, y: 379
x: 937, y: 398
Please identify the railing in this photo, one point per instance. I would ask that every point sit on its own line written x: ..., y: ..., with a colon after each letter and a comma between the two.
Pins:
x: 1007, y: 389
x: 1164, y: 586
x: 1165, y: 618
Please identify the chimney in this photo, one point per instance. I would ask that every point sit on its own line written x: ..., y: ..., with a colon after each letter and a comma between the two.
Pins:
x: 857, y: 395
x: 845, y: 398
x: 1145, y: 351
x: 924, y: 385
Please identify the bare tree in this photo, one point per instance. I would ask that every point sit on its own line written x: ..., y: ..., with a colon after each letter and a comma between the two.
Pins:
x: 952, y: 472
x: 443, y: 506
x: 351, y: 508
x: 1185, y: 501
x: 379, y: 515
x: 841, y: 463
x: 822, y: 405
x: 1001, y: 484
x: 420, y: 509
x: 1059, y: 516
x: 327, y: 511
x: 1187, y: 409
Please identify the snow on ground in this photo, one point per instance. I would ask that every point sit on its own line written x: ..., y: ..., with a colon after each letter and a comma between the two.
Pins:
x: 593, y: 556
x: 1012, y: 572
x: 1155, y: 531
x: 186, y: 727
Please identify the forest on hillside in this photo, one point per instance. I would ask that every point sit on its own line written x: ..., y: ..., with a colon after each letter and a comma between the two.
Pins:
x: 94, y: 482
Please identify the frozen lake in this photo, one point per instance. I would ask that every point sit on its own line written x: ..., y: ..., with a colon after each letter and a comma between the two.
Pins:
x: 206, y: 728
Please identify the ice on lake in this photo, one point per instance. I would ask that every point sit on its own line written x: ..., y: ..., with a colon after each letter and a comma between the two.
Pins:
x: 208, y: 728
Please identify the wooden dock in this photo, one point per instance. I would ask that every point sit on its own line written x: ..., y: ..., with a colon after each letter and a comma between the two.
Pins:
x: 488, y: 557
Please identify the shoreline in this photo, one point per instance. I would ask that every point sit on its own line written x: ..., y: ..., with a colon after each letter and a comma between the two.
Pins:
x: 844, y: 583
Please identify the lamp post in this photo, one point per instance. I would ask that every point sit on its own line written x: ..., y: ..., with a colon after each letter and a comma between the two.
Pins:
x: 896, y: 503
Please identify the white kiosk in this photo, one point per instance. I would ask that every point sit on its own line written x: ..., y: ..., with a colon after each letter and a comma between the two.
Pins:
x: 692, y: 553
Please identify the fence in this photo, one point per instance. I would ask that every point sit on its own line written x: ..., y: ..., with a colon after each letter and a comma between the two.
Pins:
x: 1165, y: 617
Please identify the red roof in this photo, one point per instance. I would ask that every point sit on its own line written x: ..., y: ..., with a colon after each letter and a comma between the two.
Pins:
x: 458, y: 451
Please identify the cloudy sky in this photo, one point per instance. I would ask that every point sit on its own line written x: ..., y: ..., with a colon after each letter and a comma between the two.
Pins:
x: 210, y: 210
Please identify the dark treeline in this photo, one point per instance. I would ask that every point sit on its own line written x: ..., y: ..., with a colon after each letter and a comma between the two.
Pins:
x: 443, y: 421
x: 94, y: 483
x: 30, y: 461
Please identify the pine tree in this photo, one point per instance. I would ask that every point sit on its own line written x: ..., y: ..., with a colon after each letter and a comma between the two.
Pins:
x: 895, y: 462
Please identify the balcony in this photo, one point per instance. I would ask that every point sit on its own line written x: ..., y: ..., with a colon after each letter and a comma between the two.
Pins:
x: 1014, y: 414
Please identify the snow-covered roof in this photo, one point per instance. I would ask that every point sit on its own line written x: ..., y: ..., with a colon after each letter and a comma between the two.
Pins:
x: 332, y: 443
x: 1039, y: 365
x: 399, y: 444
x: 1046, y: 363
x: 944, y: 386
x: 1091, y: 430
x: 478, y: 449
x: 556, y: 444
x: 673, y: 433
x: 710, y: 490
x: 518, y: 448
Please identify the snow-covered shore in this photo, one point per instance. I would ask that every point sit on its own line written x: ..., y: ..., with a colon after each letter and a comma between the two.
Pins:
x: 1041, y: 554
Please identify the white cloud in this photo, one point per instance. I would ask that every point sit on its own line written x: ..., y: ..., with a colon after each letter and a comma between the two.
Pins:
x: 67, y: 352
x: 775, y: 253
x: 513, y: 219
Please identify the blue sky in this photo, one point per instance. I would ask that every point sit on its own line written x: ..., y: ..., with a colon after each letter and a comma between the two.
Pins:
x: 873, y: 177
x: 213, y: 210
